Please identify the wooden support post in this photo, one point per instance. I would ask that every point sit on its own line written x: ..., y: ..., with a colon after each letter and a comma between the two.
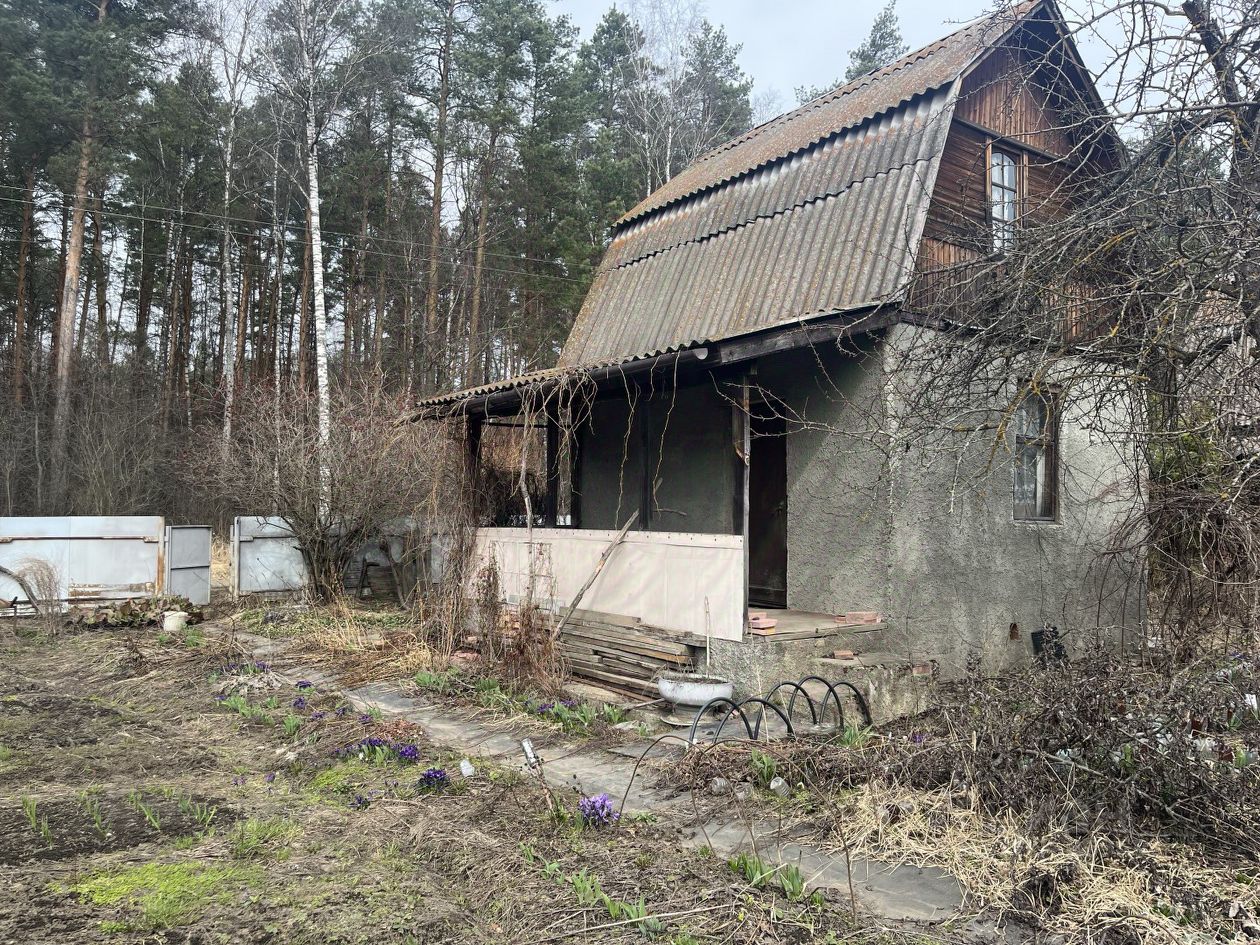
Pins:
x: 551, y: 502
x: 575, y: 476
x: 743, y: 456
x: 472, y: 458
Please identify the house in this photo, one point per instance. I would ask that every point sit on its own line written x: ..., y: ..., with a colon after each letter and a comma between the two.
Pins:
x: 727, y: 385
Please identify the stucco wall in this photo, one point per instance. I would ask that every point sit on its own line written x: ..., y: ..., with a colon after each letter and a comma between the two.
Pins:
x: 962, y: 569
x: 838, y: 515
x: 690, y: 455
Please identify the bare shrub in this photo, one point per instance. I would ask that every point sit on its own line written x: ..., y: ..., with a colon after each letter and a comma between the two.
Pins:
x: 42, y: 578
x: 378, y: 472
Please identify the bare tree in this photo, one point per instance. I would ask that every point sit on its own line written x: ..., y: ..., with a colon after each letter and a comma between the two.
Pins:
x: 314, y: 62
x: 234, y: 22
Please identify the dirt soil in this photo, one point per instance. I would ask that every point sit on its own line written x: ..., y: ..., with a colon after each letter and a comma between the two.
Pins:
x: 157, y: 790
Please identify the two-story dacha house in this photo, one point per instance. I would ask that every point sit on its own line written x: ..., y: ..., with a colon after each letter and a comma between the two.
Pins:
x: 723, y: 387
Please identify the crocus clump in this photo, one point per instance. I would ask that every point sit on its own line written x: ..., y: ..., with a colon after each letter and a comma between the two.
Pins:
x: 305, y: 684
x: 598, y: 811
x: 379, y: 750
x: 434, y: 779
x: 299, y: 702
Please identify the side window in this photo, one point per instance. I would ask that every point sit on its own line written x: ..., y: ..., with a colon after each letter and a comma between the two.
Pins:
x: 1003, y: 197
x: 1037, y: 459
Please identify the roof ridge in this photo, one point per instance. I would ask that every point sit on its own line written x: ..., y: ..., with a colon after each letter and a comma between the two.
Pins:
x: 1007, y: 17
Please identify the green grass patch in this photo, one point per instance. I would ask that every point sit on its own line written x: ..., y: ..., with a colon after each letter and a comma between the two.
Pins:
x: 255, y: 838
x: 344, y: 777
x: 165, y: 894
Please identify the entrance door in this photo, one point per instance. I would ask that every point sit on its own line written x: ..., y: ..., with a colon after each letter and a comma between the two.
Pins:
x: 767, y: 512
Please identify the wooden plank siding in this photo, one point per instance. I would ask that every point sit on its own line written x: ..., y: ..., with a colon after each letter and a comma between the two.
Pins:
x: 1007, y: 101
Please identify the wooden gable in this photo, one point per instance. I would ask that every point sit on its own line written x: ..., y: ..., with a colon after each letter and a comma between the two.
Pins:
x: 1030, y: 97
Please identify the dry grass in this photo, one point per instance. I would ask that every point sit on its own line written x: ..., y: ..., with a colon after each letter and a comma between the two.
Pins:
x: 1103, y: 802
x: 1088, y: 889
x: 220, y: 563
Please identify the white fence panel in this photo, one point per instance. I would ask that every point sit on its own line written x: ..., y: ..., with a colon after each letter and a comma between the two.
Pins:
x: 188, y: 562
x: 675, y: 580
x: 89, y: 558
x: 265, y: 557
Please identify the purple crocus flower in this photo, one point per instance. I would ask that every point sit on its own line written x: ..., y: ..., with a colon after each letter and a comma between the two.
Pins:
x: 299, y: 702
x: 407, y: 752
x: 239, y: 780
x: 568, y: 703
x: 270, y: 777
x: 598, y: 811
x: 305, y: 684
x: 316, y: 716
x: 434, y: 779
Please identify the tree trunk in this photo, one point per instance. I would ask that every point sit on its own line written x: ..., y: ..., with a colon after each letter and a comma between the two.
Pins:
x: 144, y: 303
x: 304, y: 308
x: 24, y: 251
x: 472, y: 369
x: 102, y: 287
x: 227, y: 318
x: 319, y: 316
x: 65, y: 322
x: 439, y: 162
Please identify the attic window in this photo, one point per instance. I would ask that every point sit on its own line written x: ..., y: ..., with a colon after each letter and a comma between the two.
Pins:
x: 1003, y: 197
x: 1037, y: 459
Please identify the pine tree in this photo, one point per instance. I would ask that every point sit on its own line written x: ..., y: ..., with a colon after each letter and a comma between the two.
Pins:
x: 882, y: 45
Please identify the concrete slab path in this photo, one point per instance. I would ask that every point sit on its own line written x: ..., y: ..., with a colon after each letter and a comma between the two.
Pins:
x: 900, y: 893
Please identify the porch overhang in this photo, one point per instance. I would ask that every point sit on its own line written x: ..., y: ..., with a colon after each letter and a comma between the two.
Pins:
x: 507, y: 397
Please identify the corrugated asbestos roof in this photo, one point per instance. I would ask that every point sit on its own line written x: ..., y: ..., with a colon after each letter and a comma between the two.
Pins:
x: 830, y: 228
x: 816, y: 212
x: 931, y: 67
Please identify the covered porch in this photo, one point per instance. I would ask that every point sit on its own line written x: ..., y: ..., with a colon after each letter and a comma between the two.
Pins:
x: 662, y: 505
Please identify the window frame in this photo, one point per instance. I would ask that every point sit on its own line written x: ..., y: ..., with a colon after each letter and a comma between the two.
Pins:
x: 1003, y: 233
x: 1047, y: 480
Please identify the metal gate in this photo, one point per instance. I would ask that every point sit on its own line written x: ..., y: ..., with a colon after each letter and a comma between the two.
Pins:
x: 83, y: 559
x: 188, y: 562
x: 265, y: 557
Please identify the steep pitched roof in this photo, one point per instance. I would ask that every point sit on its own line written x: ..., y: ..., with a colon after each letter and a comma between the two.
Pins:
x: 817, y: 211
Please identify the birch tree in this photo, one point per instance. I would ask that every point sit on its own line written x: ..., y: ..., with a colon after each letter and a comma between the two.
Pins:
x: 233, y: 36
x: 313, y: 61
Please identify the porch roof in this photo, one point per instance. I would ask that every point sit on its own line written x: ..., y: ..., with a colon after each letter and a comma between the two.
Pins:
x: 540, y: 386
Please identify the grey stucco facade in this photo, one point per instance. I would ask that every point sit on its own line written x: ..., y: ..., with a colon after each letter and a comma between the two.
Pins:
x: 926, y: 537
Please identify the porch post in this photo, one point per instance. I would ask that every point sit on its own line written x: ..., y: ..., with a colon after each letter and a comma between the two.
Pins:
x: 472, y: 456
x: 552, y: 500
x: 742, y: 442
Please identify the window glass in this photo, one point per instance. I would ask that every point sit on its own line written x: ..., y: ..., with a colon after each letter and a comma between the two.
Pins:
x: 1036, y: 450
x: 1003, y: 198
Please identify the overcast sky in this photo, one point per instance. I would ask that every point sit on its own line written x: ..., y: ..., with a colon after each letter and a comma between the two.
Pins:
x: 803, y: 42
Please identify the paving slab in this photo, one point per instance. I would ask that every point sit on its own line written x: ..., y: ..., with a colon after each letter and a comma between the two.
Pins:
x: 899, y: 893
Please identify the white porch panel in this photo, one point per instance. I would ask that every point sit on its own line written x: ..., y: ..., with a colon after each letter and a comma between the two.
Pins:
x: 674, y: 580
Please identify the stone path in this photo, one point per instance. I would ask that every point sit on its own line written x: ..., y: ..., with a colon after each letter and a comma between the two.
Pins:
x: 902, y: 893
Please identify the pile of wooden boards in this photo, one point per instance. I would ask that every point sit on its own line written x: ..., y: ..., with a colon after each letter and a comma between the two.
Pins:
x: 621, y: 653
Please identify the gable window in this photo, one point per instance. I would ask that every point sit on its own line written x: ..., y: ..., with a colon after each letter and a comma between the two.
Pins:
x: 1037, y: 460
x: 1003, y: 197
